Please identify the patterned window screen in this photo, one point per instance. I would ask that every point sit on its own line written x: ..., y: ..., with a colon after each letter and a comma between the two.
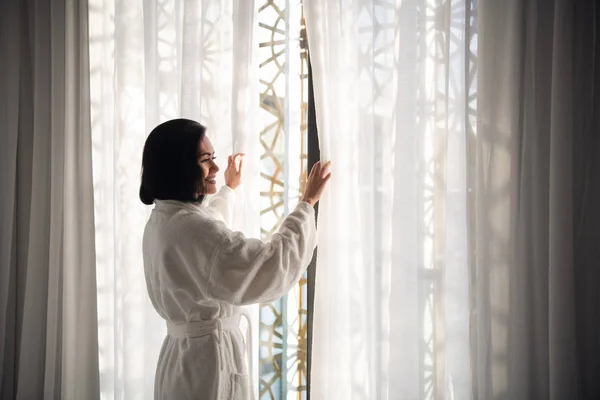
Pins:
x: 283, y: 78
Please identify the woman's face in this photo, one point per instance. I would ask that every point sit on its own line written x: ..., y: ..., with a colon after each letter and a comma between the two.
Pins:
x: 206, y: 160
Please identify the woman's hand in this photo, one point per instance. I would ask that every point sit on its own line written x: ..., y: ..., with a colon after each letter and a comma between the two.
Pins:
x: 233, y: 173
x: 317, y: 180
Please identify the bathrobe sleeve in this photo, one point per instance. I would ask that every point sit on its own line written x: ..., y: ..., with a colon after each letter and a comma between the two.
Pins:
x: 222, y: 204
x: 243, y: 270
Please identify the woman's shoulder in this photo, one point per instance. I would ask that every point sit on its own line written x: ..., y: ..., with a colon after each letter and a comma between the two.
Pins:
x: 195, y: 223
x: 186, y: 234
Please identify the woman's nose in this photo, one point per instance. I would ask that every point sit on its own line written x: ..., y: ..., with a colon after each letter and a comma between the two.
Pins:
x: 214, y: 167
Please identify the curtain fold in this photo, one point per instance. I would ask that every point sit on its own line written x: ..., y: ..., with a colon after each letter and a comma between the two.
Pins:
x: 535, y: 126
x: 586, y: 184
x: 49, y: 344
x: 152, y: 61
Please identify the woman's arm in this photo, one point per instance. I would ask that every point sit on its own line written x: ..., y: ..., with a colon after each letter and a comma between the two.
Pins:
x: 231, y: 268
x: 222, y: 204
x: 247, y: 271
x: 237, y: 270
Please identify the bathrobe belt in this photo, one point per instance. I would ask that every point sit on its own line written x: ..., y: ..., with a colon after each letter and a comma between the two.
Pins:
x: 216, y: 327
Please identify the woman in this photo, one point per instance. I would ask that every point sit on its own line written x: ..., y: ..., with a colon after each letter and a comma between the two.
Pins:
x: 199, y: 272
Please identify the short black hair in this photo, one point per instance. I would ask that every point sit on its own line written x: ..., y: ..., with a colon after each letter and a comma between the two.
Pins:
x: 170, y: 169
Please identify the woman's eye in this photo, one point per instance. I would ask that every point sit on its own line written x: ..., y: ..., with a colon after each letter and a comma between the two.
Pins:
x: 209, y: 159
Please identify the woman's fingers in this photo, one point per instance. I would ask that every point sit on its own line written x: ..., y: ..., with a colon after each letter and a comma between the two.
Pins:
x: 321, y: 170
x: 238, y: 161
x: 320, y: 174
x: 326, y: 170
x: 241, y: 165
x: 238, y: 156
x: 235, y: 161
x: 316, y: 167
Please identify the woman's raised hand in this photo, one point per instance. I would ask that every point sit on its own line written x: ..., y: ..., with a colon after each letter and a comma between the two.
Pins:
x: 316, y: 183
x: 233, y: 173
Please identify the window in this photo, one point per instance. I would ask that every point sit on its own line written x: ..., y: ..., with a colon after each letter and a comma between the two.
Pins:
x: 284, y: 81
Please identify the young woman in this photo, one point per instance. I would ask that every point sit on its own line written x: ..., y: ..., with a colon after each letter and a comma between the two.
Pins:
x: 199, y: 272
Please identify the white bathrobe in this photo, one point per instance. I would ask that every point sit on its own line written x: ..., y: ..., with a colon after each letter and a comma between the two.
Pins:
x: 198, y: 274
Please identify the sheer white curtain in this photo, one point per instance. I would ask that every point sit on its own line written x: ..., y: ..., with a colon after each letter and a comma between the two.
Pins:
x: 394, y: 84
x: 48, y: 324
x: 151, y: 61
x: 455, y: 250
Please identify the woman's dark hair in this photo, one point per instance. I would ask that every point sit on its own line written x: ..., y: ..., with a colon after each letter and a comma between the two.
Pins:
x: 170, y: 169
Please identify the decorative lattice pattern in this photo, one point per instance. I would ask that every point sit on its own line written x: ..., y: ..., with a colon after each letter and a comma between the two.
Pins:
x: 283, y: 79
